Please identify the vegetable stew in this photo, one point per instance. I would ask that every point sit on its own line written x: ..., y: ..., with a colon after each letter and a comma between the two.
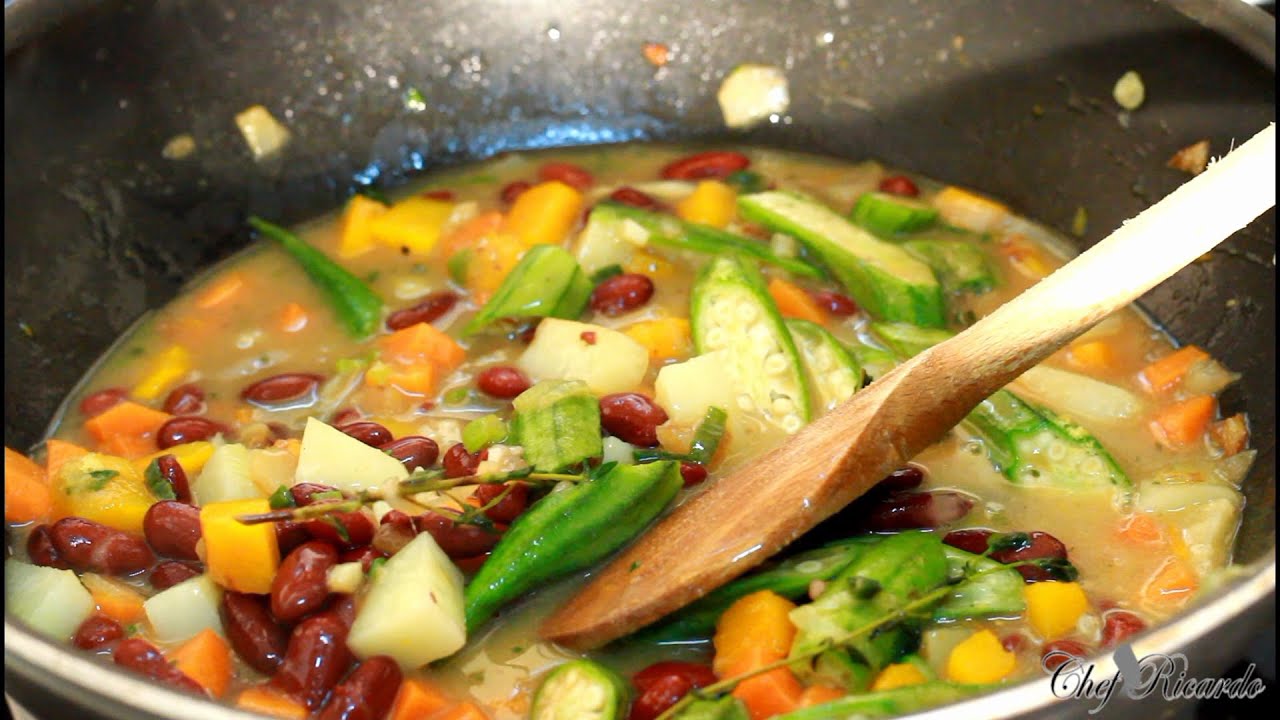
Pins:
x: 347, y: 472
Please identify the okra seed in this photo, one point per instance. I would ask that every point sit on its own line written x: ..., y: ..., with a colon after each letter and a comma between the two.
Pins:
x: 723, y: 312
x: 716, y: 338
x: 1057, y: 450
x: 746, y: 313
x: 791, y: 423
x: 775, y: 364
x: 744, y: 401
x: 782, y: 406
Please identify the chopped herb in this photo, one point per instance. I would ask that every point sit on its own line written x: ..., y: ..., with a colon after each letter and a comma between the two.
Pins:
x: 414, y: 100
x: 517, y: 649
x: 746, y: 181
x: 281, y: 499
x: 375, y: 566
x: 707, y: 437
x: 372, y: 277
x: 374, y: 194
x: 602, y: 470
x: 328, y: 495
x: 457, y: 265
x: 635, y: 565
x: 1059, y: 569
x: 457, y: 396
x: 1013, y: 542
x: 132, y: 629
x: 157, y: 483
x: 101, y: 478
x: 605, y: 273
x: 339, y: 526
x: 1079, y: 222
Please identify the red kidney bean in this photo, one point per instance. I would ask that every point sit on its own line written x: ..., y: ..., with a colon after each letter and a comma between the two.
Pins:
x: 634, y: 198
x: 509, y: 507
x: 185, y: 429
x: 906, y: 511
x: 469, y: 565
x: 428, y: 310
x: 101, y: 401
x: 171, y: 572
x: 1042, y: 546
x: 632, y: 417
x: 711, y: 164
x: 513, y: 190
x: 446, y: 195
x: 317, y: 657
x: 567, y: 173
x: 366, y: 694
x: 502, y: 381
x: 173, y: 529
x: 97, y: 631
x: 143, y: 657
x: 368, y: 432
x: 1013, y: 642
x: 1118, y: 625
x: 365, y: 555
x: 395, y: 530
x: 456, y: 540
x: 185, y: 400
x: 345, y: 610
x: 696, y: 673
x: 171, y: 471
x: 345, y: 416
x: 973, y: 540
x: 1054, y: 654
x: 692, y: 473
x: 41, y: 551
x: 87, y: 545
x: 902, y: 479
x: 255, y: 636
x: 413, y: 451
x: 659, y: 696
x: 357, y: 529
x: 300, y: 585
x: 290, y: 534
x: 834, y: 302
x: 458, y: 462
x: 899, y: 185
x: 621, y: 294
x: 281, y: 388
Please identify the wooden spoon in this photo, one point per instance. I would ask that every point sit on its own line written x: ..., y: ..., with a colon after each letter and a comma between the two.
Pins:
x: 749, y: 515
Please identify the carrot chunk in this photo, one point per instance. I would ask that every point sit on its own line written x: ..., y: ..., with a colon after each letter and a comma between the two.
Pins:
x: 1182, y: 423
x: 26, y: 489
x: 794, y: 302
x: 1168, y: 371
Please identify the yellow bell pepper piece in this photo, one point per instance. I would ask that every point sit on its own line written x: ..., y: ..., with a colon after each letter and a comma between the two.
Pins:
x: 980, y: 658
x: 755, y: 622
x: 191, y: 456
x: 413, y: 223
x: 711, y: 203
x: 103, y: 488
x: 543, y: 214
x: 897, y: 675
x: 648, y: 264
x: 1054, y: 608
x: 239, y: 557
x: 665, y: 338
x: 164, y: 370
x: 969, y: 210
x: 357, y: 225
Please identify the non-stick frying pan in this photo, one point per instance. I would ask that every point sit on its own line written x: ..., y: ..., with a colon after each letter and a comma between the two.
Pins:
x: 1008, y: 96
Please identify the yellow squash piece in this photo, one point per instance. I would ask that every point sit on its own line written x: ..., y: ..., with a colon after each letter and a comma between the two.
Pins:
x: 191, y: 456
x: 544, y: 214
x: 665, y: 338
x: 102, y: 488
x: 239, y: 557
x: 413, y: 223
x: 164, y: 370
x: 357, y: 225
x: 711, y: 203
x: 897, y: 675
x: 1054, y: 608
x: 980, y: 658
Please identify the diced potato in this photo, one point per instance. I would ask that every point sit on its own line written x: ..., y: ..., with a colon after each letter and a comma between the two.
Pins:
x: 264, y: 135
x: 685, y: 390
x: 619, y: 451
x: 605, y: 242
x: 753, y: 93
x: 332, y: 457
x: 240, y: 557
x: 269, y: 468
x: 226, y: 477
x: 345, y: 578
x: 413, y: 611
x: 51, y: 601
x: 1077, y: 396
x: 608, y: 361
x: 1206, y: 514
x: 182, y: 611
x: 102, y: 488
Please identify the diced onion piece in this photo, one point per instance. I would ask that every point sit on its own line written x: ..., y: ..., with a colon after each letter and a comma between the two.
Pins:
x: 612, y: 363
x: 1235, y: 469
x: 752, y: 93
x: 619, y: 451
x: 345, y: 578
x: 264, y: 135
x: 1208, y: 377
x: 179, y: 613
x: 51, y: 601
x: 1129, y: 91
x: 227, y: 476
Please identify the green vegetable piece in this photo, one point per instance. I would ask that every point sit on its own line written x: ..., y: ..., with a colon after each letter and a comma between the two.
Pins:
x: 357, y: 307
x: 961, y: 265
x: 706, y: 438
x: 725, y: 708
x: 732, y: 311
x: 875, y: 361
x: 746, y: 181
x: 995, y: 592
x: 281, y: 499
x: 790, y: 578
x: 570, y: 530
x: 884, y: 279
x: 907, y: 340
x: 457, y: 265
x: 837, y: 668
x: 834, y: 374
x: 580, y: 690
x: 156, y: 482
x: 889, y: 215
x: 888, y: 703
x: 672, y: 233
x: 483, y: 432
x: 547, y: 282
x: 605, y: 273
x: 896, y: 571
x: 557, y: 422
